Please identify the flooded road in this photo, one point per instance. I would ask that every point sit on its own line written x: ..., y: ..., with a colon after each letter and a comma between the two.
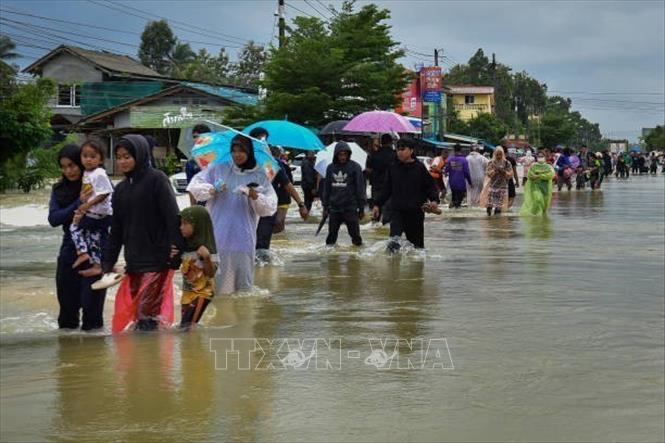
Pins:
x: 532, y: 330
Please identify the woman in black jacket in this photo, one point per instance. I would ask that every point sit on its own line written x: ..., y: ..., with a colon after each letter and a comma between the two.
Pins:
x: 145, y: 222
x: 74, y: 292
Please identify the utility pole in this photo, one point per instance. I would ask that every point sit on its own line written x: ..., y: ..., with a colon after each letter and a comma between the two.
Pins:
x: 282, y: 23
x: 436, y: 57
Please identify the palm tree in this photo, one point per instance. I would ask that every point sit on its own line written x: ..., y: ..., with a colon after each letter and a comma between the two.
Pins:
x: 7, y: 47
x: 181, y: 56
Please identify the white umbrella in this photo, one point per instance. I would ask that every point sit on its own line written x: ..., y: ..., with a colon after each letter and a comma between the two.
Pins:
x: 325, y: 157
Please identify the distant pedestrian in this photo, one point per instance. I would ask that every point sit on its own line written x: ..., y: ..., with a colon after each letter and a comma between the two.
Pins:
x: 308, y: 181
x: 477, y: 166
x: 191, y: 167
x: 457, y: 169
x: 376, y: 167
x: 495, y: 190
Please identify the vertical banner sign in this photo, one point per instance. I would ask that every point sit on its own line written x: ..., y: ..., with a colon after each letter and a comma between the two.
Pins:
x: 431, y: 95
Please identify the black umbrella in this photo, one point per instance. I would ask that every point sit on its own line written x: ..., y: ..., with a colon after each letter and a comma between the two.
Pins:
x: 335, y: 128
x: 324, y: 217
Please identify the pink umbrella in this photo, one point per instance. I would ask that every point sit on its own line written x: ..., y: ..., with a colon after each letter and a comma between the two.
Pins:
x: 381, y: 122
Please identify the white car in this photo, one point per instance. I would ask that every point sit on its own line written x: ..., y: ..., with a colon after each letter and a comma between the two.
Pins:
x: 179, y: 182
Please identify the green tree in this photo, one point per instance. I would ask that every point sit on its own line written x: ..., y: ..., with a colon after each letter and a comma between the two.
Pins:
x: 372, y: 78
x: 335, y: 71
x: 181, y: 56
x: 25, y: 125
x: 556, y: 128
x: 655, y: 139
x: 7, y: 47
x: 301, y: 83
x: 487, y: 127
x: 246, y: 71
x: 157, y: 45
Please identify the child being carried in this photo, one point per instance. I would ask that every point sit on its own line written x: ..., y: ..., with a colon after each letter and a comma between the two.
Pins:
x: 93, y: 217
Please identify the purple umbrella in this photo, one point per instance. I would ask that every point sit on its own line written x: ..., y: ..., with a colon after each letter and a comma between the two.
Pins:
x: 574, y: 161
x: 380, y: 122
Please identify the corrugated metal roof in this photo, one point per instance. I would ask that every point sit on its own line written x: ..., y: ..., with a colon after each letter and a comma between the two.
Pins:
x: 233, y: 94
x: 109, y: 61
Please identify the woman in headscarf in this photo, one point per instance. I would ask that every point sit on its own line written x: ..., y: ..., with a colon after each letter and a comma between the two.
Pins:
x: 495, y: 190
x: 74, y: 292
x: 538, y: 188
x: 145, y: 222
x: 237, y: 195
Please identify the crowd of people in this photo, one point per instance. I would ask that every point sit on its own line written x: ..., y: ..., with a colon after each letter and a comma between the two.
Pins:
x: 235, y: 208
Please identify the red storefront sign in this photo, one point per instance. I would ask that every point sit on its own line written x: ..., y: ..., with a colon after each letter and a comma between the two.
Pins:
x: 430, y: 79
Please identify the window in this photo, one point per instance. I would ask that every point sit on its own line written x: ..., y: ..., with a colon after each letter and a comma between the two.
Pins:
x: 469, y: 99
x: 69, y: 95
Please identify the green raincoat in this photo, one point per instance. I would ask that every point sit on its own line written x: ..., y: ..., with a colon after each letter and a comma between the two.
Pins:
x: 538, y: 189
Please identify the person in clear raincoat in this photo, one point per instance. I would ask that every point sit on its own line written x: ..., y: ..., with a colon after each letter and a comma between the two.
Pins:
x: 477, y: 166
x: 236, y: 194
x: 538, y: 188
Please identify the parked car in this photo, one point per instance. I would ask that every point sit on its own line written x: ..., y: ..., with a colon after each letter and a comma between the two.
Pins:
x: 295, y: 168
x: 179, y: 182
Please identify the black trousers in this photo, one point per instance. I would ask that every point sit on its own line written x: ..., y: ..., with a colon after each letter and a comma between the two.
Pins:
x: 75, y: 295
x: 309, y: 198
x: 411, y: 224
x: 352, y: 222
x: 457, y: 197
x: 264, y: 232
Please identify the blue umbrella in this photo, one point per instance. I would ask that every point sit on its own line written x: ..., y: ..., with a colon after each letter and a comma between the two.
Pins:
x: 288, y: 134
x: 215, y: 147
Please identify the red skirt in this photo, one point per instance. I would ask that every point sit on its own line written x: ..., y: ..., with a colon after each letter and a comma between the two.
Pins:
x: 145, y: 296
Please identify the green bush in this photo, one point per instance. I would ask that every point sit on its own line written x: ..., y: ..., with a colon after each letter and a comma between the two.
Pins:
x: 32, y: 178
x: 170, y: 164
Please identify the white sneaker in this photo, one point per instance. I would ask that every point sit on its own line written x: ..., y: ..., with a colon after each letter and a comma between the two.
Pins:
x: 109, y: 279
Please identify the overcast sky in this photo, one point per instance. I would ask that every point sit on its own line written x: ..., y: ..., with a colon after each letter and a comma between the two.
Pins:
x: 609, y: 57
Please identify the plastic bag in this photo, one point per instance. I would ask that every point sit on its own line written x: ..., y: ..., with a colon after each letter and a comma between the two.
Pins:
x: 146, y: 299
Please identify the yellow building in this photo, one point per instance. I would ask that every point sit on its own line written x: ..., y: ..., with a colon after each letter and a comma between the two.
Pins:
x: 469, y: 101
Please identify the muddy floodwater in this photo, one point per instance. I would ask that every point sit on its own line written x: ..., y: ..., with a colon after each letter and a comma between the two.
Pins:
x: 503, y: 329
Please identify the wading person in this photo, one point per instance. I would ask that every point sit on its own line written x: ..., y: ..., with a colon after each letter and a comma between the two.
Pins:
x: 458, y: 176
x: 73, y: 290
x: 412, y: 191
x: 308, y: 181
x: 145, y: 223
x: 376, y: 166
x: 238, y: 193
x: 191, y: 167
x: 199, y: 264
x: 284, y: 189
x: 564, y: 170
x: 513, y: 180
x: 477, y: 165
x: 436, y: 171
x: 495, y: 190
x: 538, y: 188
x: 344, y: 195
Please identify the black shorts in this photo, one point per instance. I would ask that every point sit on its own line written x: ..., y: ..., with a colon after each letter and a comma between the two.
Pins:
x: 511, y: 189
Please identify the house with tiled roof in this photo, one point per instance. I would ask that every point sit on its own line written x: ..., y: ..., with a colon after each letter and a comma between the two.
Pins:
x: 105, y: 94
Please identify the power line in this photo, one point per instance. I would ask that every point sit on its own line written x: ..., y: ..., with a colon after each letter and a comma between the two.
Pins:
x: 332, y: 11
x: 188, y: 25
x: 303, y: 12
x: 317, y: 11
x: 182, y: 28
x: 123, y: 31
